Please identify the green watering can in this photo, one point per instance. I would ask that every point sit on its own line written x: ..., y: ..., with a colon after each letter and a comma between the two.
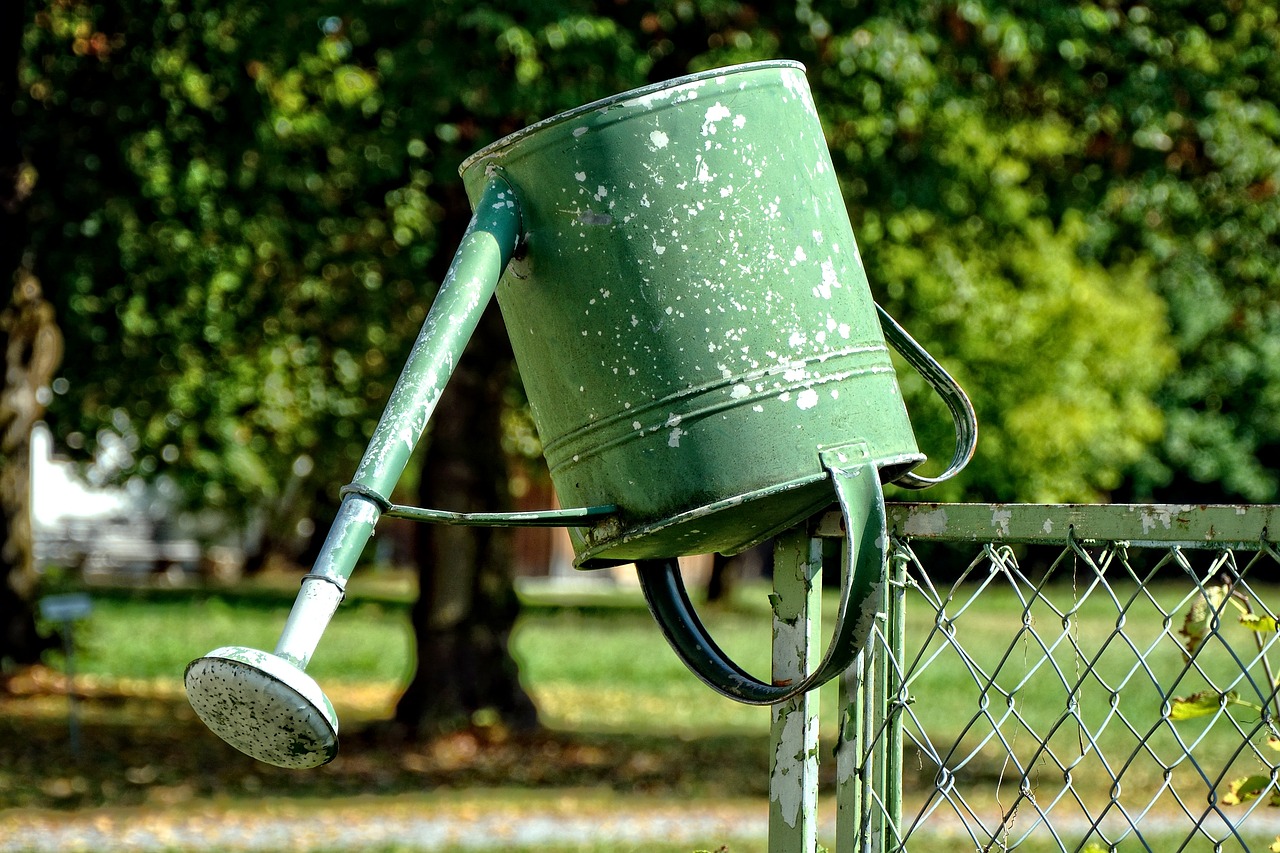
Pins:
x: 702, y: 355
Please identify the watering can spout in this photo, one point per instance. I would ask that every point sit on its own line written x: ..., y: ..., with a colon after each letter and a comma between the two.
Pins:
x: 265, y: 704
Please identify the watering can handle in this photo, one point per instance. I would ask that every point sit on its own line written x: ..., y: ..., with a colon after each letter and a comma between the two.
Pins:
x: 966, y: 421
x: 863, y: 572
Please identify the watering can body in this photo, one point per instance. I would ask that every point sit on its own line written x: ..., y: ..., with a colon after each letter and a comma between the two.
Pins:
x: 689, y: 313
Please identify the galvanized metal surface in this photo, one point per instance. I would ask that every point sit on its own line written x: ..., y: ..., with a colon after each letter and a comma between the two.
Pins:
x: 573, y: 517
x: 264, y: 706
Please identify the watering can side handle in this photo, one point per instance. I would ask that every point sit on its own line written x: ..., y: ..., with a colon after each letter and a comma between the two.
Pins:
x: 863, y: 572
x: 962, y: 413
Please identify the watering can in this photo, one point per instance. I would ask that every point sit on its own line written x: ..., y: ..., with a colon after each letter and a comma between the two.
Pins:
x: 702, y: 356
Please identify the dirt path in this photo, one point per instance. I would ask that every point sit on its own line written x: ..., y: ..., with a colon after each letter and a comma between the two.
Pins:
x: 402, y: 826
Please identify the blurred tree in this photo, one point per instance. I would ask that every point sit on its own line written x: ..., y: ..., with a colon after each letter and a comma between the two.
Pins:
x: 242, y: 201
x: 32, y: 347
x: 1190, y: 130
x: 1134, y: 151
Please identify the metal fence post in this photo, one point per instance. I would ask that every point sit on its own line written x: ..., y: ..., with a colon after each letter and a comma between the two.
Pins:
x: 895, y: 699
x: 869, y: 744
x: 793, y: 763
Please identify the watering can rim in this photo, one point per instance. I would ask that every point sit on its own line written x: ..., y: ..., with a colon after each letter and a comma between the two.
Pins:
x: 894, y: 466
x: 629, y: 95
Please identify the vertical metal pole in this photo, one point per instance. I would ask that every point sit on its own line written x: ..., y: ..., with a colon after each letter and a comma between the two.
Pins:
x: 862, y: 766
x: 896, y: 640
x: 793, y: 764
x: 876, y: 677
x: 849, y: 769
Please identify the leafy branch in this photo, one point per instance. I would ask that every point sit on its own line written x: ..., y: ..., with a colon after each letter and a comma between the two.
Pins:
x: 1203, y: 620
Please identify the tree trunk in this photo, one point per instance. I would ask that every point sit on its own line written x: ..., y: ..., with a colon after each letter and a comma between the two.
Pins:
x: 466, y: 603
x: 32, y: 348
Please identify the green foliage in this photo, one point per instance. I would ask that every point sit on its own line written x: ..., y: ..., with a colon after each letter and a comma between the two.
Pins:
x: 1144, y: 143
x: 239, y: 202
x: 1074, y: 206
x: 242, y: 256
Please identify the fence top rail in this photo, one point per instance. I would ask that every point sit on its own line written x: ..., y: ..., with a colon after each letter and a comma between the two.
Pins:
x: 1149, y: 525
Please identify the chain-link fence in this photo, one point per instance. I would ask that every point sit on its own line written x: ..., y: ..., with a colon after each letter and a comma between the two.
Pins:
x: 1069, y: 678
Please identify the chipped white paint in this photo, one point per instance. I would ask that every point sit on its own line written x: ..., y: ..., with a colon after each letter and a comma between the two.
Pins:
x: 1156, y: 517
x: 1000, y: 521
x: 658, y: 140
x: 926, y: 523
x: 830, y: 281
x: 789, y: 744
x: 807, y: 399
x: 716, y: 113
x: 703, y: 171
x: 793, y: 765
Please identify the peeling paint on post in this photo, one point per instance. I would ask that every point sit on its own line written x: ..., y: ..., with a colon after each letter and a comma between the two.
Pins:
x: 793, y: 763
x: 853, y: 702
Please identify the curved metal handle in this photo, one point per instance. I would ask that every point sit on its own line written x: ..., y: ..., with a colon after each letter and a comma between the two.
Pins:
x: 962, y: 414
x: 863, y: 572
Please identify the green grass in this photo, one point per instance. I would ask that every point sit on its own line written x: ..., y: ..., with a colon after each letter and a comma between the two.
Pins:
x: 626, y: 714
x: 136, y: 637
x: 602, y: 665
x: 607, y: 668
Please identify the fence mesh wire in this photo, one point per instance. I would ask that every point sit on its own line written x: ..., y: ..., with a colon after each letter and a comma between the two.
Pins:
x: 1059, y: 693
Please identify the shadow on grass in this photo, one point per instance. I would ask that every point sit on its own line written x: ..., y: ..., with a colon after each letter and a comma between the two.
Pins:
x: 138, y: 746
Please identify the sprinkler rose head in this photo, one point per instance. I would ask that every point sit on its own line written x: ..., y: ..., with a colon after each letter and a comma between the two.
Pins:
x: 264, y: 706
